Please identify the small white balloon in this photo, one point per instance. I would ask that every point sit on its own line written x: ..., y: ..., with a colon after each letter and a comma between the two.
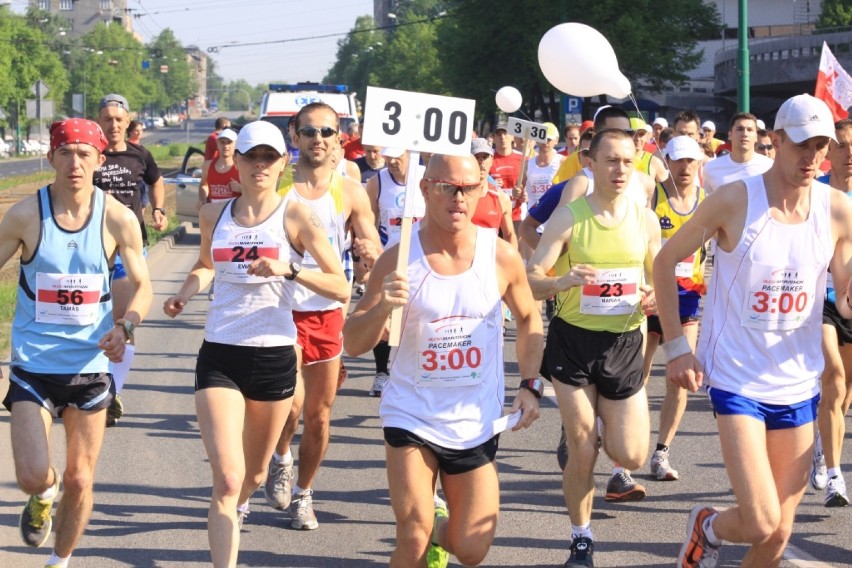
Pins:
x: 508, y: 99
x: 578, y: 60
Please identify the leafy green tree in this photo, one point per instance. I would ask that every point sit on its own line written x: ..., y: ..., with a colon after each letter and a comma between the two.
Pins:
x: 26, y: 56
x: 835, y: 14
x: 357, y: 61
x: 176, y: 85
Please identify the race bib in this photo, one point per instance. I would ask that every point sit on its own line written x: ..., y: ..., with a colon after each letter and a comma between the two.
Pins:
x: 233, y: 256
x: 779, y: 299
x: 69, y: 299
x: 615, y: 292
x: 450, y: 352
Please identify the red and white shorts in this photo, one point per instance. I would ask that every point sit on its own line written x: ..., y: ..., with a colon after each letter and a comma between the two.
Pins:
x: 319, y: 335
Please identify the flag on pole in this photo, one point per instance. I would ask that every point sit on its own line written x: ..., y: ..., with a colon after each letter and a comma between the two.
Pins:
x: 833, y: 85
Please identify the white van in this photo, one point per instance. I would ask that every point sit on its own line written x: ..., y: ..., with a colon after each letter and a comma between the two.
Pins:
x: 281, y: 102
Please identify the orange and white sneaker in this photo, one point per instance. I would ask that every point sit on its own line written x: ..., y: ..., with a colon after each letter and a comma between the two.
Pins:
x: 697, y: 551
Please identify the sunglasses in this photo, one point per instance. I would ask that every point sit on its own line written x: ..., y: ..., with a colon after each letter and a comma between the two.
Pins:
x: 450, y: 189
x: 311, y: 132
x: 764, y: 147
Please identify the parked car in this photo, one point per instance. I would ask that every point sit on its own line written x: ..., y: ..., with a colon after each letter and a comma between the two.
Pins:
x: 186, y: 183
x: 5, y: 148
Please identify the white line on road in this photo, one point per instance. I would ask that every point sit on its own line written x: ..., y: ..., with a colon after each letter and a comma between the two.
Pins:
x: 802, y: 559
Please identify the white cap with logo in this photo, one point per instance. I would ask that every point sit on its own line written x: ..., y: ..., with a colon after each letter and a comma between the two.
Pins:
x: 260, y: 133
x: 681, y: 147
x: 803, y: 117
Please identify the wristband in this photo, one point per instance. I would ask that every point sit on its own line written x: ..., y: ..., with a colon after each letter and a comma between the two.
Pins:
x: 160, y: 209
x: 675, y: 348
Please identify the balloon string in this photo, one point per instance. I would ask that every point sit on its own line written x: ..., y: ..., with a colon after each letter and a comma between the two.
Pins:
x: 665, y: 163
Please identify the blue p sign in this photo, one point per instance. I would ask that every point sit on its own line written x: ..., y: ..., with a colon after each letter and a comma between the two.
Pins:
x: 573, y: 105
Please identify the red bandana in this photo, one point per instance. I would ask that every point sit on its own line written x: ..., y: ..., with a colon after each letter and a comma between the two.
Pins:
x: 77, y: 131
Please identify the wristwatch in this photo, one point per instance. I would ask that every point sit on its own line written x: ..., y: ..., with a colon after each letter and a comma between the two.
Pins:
x: 128, y: 326
x: 160, y: 209
x: 535, y: 386
x: 295, y: 269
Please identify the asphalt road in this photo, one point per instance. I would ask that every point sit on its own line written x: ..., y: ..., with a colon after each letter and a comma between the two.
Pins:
x: 153, y: 480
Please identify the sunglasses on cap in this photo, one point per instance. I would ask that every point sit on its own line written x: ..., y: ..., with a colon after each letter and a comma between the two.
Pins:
x: 311, y: 132
x: 449, y: 188
x: 764, y: 147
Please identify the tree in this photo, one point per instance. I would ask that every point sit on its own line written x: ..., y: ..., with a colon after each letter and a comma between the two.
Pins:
x: 175, y: 85
x: 835, y: 14
x: 357, y: 59
x: 25, y: 58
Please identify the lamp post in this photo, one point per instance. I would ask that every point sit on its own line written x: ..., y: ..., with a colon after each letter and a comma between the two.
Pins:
x: 87, y: 51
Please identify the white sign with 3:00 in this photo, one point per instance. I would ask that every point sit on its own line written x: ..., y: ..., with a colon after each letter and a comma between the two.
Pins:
x: 417, y: 121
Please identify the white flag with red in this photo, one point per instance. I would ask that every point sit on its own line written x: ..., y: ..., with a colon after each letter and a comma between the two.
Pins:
x: 834, y: 84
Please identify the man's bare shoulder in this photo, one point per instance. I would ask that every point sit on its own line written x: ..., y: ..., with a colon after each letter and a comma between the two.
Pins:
x: 117, y: 211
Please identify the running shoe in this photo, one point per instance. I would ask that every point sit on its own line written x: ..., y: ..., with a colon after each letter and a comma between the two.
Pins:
x: 660, y: 467
x: 359, y: 289
x: 35, y: 522
x: 835, y: 492
x: 696, y: 551
x: 114, y: 412
x: 302, y: 511
x: 379, y: 384
x: 582, y: 551
x: 437, y: 557
x: 622, y: 487
x: 562, y: 450
x: 819, y: 473
x: 279, y: 484
x: 241, y: 518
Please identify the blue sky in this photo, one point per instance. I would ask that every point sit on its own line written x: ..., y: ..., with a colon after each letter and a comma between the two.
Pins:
x: 209, y: 23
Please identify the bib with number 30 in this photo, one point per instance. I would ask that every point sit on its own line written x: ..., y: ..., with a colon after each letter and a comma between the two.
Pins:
x: 449, y: 352
x: 69, y: 299
x: 615, y: 292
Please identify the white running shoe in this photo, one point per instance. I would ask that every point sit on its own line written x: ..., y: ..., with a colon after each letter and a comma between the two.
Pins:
x: 660, y: 467
x: 819, y: 473
x: 379, y: 384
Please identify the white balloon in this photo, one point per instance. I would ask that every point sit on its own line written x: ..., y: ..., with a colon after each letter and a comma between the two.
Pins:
x: 578, y: 60
x: 508, y: 99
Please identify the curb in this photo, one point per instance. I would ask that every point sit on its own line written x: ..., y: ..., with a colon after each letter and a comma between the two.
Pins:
x: 167, y: 243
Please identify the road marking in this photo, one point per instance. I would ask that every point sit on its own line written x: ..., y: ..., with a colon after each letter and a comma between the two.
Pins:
x: 800, y: 558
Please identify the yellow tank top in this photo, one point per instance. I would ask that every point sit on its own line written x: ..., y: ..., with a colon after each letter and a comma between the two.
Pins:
x: 612, y: 303
x: 335, y: 187
x: 690, y: 276
x: 569, y: 168
x: 642, y: 162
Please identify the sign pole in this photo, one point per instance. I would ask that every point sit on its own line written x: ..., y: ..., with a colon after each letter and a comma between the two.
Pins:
x: 411, y: 186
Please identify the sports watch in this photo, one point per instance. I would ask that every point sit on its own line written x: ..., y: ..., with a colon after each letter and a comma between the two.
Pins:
x: 295, y: 269
x: 128, y: 326
x: 535, y: 386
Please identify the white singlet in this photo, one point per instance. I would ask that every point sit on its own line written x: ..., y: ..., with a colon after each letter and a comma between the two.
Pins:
x: 249, y: 310
x: 392, y: 204
x: 334, y: 223
x: 446, y: 376
x: 760, y: 335
x: 724, y: 170
x: 539, y: 178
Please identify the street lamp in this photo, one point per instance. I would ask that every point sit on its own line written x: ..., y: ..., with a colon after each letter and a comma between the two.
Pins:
x: 86, y: 52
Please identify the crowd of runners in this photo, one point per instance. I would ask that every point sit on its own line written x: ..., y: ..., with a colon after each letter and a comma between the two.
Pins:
x: 608, y: 240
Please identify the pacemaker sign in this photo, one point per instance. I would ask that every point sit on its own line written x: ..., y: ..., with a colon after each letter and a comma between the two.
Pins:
x: 417, y: 122
x: 527, y: 130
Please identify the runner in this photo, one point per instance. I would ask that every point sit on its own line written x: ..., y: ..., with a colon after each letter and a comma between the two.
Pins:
x: 494, y: 210
x: 601, y: 247
x: 219, y: 178
x: 128, y: 168
x: 387, y: 200
x: 339, y: 202
x: 438, y: 421
x: 743, y: 161
x: 246, y: 371
x: 674, y: 202
x: 63, y: 334
x: 760, y: 348
x: 836, y: 379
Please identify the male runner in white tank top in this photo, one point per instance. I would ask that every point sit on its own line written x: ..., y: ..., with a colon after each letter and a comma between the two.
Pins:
x: 446, y: 383
x: 759, y: 348
x: 320, y: 329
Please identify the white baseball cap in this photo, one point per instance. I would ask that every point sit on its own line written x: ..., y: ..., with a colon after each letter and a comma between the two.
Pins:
x: 260, y: 133
x: 228, y: 134
x: 661, y: 121
x: 803, y: 117
x: 681, y: 147
x: 709, y: 125
x: 391, y: 152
